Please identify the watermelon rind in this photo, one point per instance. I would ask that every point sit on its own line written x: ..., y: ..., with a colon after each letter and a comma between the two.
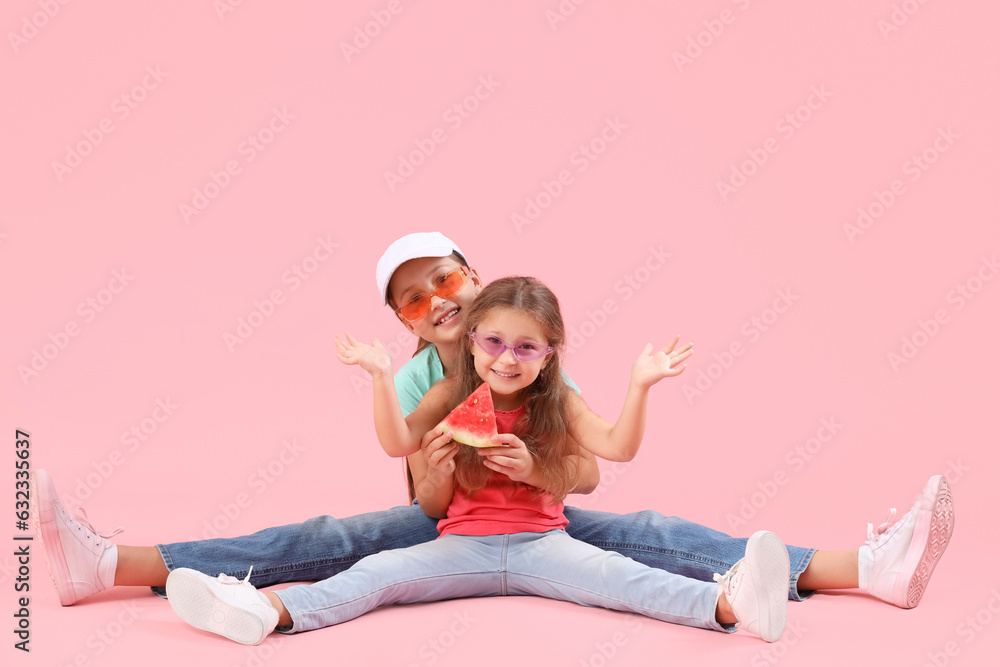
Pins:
x: 467, y: 438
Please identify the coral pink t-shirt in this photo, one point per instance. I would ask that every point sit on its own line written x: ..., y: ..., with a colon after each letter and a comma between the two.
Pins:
x: 503, y: 506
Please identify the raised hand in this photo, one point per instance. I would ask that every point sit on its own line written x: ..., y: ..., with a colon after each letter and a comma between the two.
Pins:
x: 510, y: 457
x: 373, y: 358
x: 651, y: 367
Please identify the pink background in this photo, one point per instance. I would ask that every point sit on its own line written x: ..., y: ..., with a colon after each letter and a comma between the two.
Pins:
x: 199, y: 82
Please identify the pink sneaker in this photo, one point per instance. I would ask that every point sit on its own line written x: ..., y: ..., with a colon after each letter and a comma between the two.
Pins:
x: 224, y: 605
x: 757, y: 586
x: 81, y: 561
x: 898, y: 559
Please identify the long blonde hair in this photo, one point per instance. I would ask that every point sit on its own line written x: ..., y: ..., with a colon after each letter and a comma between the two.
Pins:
x: 542, y: 427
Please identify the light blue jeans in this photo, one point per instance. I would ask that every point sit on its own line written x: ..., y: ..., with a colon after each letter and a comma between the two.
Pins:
x: 324, y: 546
x: 551, y: 565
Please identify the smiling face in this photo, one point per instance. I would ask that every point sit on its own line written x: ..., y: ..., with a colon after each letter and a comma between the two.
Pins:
x: 507, y: 375
x: 442, y: 325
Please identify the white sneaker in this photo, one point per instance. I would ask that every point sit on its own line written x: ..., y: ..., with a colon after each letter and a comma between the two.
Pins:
x: 81, y: 560
x: 757, y: 586
x: 224, y: 605
x: 898, y: 559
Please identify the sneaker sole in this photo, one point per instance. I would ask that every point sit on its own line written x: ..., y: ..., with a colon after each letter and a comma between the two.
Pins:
x: 933, y: 530
x: 191, y: 596
x: 43, y: 495
x: 769, y: 570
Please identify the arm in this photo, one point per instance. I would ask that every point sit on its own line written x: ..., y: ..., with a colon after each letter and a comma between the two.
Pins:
x: 589, y: 474
x: 433, y: 470
x: 513, y: 459
x: 398, y: 436
x: 620, y: 441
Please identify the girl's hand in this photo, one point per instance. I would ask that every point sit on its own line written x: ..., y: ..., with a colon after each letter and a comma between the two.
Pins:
x: 373, y: 358
x: 651, y: 367
x: 439, y: 452
x: 510, y: 458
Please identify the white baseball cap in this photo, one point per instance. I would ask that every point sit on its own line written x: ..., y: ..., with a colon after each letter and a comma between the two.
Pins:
x: 411, y: 246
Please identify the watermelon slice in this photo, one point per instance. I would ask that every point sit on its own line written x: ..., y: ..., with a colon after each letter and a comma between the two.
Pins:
x: 473, y: 422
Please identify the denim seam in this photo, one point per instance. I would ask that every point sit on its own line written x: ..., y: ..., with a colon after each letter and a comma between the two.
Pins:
x: 307, y: 565
x: 291, y: 567
x: 292, y: 610
x: 503, y: 564
x: 165, y: 555
x: 615, y: 546
x: 793, y: 583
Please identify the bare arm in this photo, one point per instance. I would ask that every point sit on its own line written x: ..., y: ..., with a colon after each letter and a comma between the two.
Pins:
x: 435, y: 467
x: 589, y: 476
x: 620, y: 441
x: 398, y: 436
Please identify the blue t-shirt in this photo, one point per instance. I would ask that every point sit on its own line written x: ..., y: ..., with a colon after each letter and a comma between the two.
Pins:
x: 420, y: 373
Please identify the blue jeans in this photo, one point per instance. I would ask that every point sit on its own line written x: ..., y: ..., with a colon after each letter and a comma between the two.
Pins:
x: 551, y: 565
x: 323, y: 546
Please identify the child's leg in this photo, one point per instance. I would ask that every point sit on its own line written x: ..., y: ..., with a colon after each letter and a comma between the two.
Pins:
x: 313, y: 550
x: 284, y: 618
x: 674, y: 544
x: 898, y: 558
x: 894, y: 565
x: 83, y: 562
x: 830, y: 570
x: 454, y: 566
x: 140, y: 566
x: 557, y: 566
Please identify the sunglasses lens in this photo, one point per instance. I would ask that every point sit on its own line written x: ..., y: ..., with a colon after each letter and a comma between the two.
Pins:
x: 490, y: 344
x: 452, y: 282
x: 529, y: 353
x: 495, y: 346
x: 414, y: 310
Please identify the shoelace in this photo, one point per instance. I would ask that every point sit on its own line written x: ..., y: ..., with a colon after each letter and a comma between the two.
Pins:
x: 729, y: 580
x: 81, y: 518
x: 228, y: 579
x: 875, y: 534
